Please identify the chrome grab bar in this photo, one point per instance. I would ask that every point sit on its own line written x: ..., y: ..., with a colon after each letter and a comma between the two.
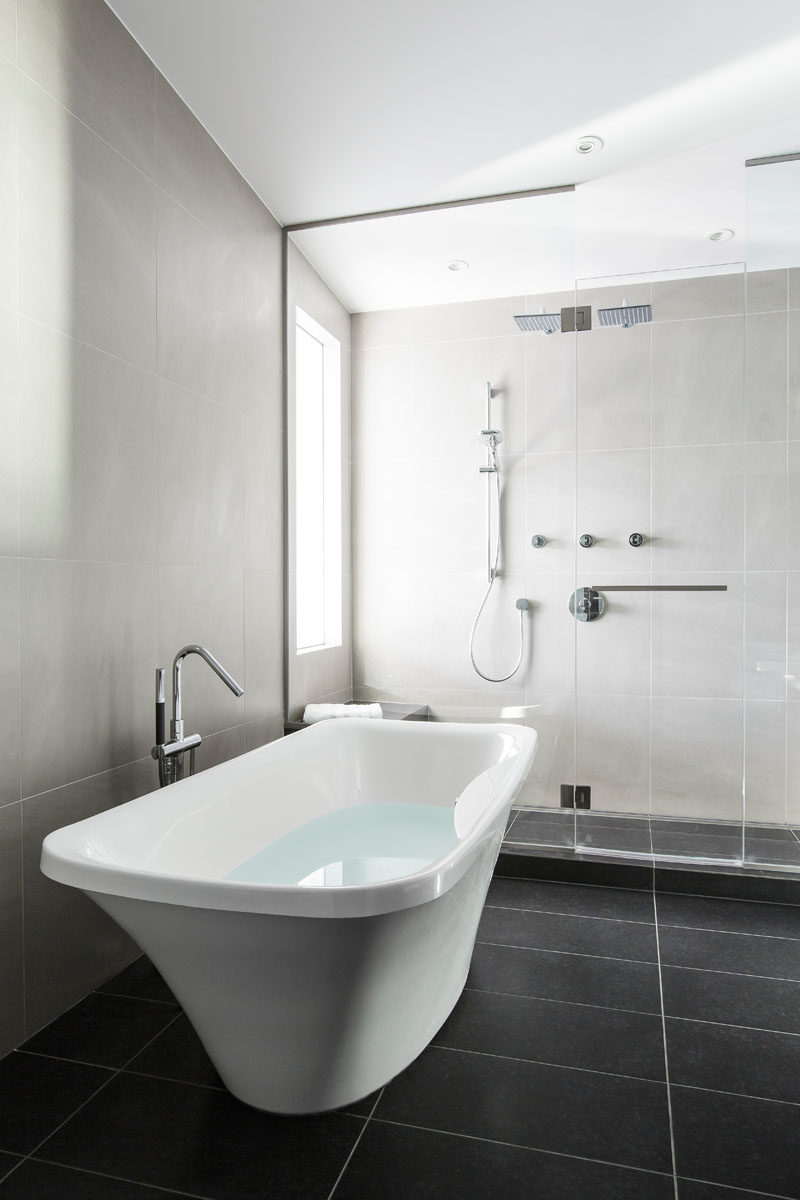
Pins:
x: 660, y: 587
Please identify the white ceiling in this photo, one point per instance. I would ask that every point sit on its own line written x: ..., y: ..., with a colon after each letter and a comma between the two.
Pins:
x: 352, y: 106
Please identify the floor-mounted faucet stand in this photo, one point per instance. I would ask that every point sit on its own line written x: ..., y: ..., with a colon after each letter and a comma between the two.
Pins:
x: 170, y: 755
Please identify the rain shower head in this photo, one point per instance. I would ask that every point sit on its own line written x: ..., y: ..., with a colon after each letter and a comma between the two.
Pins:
x: 539, y: 322
x: 626, y: 314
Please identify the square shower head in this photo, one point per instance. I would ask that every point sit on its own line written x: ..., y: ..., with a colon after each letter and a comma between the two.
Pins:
x: 626, y: 314
x: 539, y: 322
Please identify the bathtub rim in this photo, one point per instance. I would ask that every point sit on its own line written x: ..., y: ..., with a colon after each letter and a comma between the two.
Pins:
x: 65, y: 857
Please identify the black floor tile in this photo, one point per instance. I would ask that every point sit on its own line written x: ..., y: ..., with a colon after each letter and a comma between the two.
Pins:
x: 141, y: 980
x: 7, y: 1161
x: 617, y: 1120
x: 772, y: 1004
x: 539, y: 832
x: 607, y: 982
x: 764, y: 850
x: 548, y: 1031
x: 571, y: 934
x: 727, y: 1058
x: 399, y: 1163
x: 692, y: 1189
x: 623, y: 904
x: 177, y: 1054
x: 43, y: 1181
x: 102, y: 1029
x: 202, y: 1141
x: 615, y: 839
x: 731, y: 883
x: 737, y: 1141
x: 697, y: 845
x: 732, y: 916
x: 740, y: 953
x: 38, y: 1093
x: 570, y: 868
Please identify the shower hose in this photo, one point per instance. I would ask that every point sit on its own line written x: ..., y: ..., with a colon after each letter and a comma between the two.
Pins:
x: 522, y: 604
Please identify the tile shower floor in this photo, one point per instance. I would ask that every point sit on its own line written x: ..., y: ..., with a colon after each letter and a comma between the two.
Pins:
x: 611, y: 1044
x: 600, y: 831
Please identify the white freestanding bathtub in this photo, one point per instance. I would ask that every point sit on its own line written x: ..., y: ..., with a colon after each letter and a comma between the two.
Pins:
x: 313, y: 904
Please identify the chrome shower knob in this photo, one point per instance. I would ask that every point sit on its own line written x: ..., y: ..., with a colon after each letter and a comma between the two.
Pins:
x: 538, y: 540
x: 586, y: 540
x: 636, y: 539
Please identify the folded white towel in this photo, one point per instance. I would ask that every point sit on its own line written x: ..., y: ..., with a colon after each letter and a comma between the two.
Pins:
x: 321, y: 712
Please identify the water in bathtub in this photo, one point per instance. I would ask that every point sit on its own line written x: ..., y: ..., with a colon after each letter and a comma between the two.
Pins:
x: 363, y: 844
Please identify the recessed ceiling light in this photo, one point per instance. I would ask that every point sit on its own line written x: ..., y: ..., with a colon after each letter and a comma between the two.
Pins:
x: 588, y: 144
x: 458, y: 264
x: 720, y: 235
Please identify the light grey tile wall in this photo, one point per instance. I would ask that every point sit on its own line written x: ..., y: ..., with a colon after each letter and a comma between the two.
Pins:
x: 141, y: 494
x: 656, y: 429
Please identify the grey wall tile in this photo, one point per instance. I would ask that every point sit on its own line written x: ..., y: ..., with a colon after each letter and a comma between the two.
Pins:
x: 8, y: 29
x: 765, y: 615
x: 793, y: 372
x: 392, y: 327
x: 12, y: 989
x: 259, y: 733
x: 9, y: 443
x: 610, y: 733
x: 448, y: 393
x: 550, y: 511
x: 263, y: 644
x: 698, y: 382
x: 9, y: 193
x: 613, y: 388
x: 200, y: 480
x: 83, y: 56
x: 10, y: 681
x: 88, y: 461
x: 550, y: 392
x: 200, y: 301
x: 88, y: 655
x: 71, y: 946
x: 765, y: 506
x: 765, y: 762
x: 192, y: 169
x: 697, y: 638
x: 767, y: 291
x: 613, y: 501
x: 467, y: 321
x: 220, y: 747
x: 260, y: 236
x: 204, y: 605
x: 698, y: 508
x: 87, y: 238
x: 794, y: 287
x: 263, y: 495
x: 257, y: 391
x: 613, y: 654
x: 793, y: 505
x: 703, y: 296
x: 766, y: 376
x: 381, y: 380
x: 696, y: 763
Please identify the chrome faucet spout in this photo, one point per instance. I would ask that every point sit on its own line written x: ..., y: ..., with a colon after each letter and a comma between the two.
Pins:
x: 176, y: 728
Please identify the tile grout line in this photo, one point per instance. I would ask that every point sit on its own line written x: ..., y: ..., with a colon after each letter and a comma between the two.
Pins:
x: 666, y: 1054
x: 155, y: 1187
x: 113, y: 1073
x: 348, y: 1160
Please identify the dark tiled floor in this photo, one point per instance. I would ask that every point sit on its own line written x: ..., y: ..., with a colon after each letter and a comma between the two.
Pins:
x: 626, y: 836
x: 611, y: 1044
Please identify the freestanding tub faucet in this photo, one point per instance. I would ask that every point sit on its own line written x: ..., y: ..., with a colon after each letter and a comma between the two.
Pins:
x: 170, y: 754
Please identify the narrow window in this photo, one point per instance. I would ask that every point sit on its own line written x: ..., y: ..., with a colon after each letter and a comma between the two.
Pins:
x: 318, y: 485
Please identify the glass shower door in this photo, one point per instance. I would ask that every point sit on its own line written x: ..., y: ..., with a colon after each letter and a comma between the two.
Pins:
x: 659, y: 509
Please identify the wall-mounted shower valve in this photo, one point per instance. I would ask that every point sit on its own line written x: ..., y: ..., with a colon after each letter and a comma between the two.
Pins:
x: 586, y: 540
x: 636, y: 539
x: 538, y: 540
